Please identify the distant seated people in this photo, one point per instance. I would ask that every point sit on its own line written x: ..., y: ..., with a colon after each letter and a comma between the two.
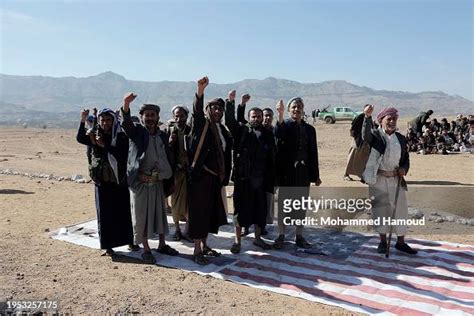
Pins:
x: 453, y: 126
x: 434, y: 125
x: 418, y: 122
x: 445, y: 124
x: 412, y: 139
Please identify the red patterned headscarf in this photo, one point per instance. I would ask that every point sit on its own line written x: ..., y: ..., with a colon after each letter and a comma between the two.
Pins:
x: 387, y: 111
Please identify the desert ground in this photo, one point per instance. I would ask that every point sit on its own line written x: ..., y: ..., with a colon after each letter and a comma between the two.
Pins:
x: 34, y: 266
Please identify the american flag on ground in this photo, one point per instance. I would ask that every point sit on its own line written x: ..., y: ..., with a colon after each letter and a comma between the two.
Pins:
x: 342, y: 269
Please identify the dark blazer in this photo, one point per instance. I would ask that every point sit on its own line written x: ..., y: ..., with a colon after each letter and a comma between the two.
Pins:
x: 100, y: 154
x: 247, y: 148
x: 197, y: 126
x: 356, y: 129
x: 139, y: 138
x: 376, y: 141
x: 285, y: 134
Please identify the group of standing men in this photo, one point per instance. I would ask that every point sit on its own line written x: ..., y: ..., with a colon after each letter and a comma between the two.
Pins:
x: 136, y: 166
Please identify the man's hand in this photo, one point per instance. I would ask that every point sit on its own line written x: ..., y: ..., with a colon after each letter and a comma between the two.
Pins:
x: 201, y: 85
x: 244, y: 99
x: 231, y: 95
x: 401, y: 172
x: 318, y: 182
x: 173, y: 138
x: 368, y: 110
x: 280, y: 107
x: 84, y: 115
x: 127, y: 99
x: 99, y: 141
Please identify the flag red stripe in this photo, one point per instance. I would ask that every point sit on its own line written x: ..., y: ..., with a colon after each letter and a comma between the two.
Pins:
x: 381, y: 279
x: 325, y: 294
x: 354, y: 286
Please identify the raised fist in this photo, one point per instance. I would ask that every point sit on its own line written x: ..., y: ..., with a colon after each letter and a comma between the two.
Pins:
x: 280, y: 107
x: 128, y: 98
x: 245, y: 98
x: 84, y: 115
x: 368, y: 110
x: 203, y: 82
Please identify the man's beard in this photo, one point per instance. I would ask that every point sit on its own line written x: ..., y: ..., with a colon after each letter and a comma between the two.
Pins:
x: 255, y: 124
x: 151, y: 123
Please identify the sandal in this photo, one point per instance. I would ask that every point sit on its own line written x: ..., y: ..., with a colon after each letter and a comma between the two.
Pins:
x: 148, y: 257
x: 167, y: 250
x: 278, y: 244
x: 260, y: 243
x: 302, y: 243
x: 177, y: 235
x: 108, y: 253
x: 210, y: 252
x: 235, y: 249
x: 200, y: 259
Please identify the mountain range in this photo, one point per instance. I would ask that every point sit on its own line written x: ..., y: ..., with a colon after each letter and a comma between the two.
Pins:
x: 49, y: 99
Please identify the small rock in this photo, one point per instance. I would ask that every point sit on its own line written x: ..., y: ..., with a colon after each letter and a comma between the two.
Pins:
x: 81, y: 181
x: 76, y: 177
x: 439, y: 220
x: 417, y: 214
x: 46, y: 230
x: 450, y: 219
x: 115, y: 267
x: 434, y: 213
x: 471, y: 222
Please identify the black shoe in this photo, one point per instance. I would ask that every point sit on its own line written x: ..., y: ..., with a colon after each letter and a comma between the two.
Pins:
x: 302, y: 243
x: 382, y: 248
x: 405, y: 248
x: 246, y: 231
x: 133, y: 247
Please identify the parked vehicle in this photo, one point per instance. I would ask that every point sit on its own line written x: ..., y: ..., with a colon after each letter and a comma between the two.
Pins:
x: 338, y: 113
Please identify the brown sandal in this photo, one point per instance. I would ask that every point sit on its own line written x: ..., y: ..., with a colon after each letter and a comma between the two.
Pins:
x: 200, y: 259
x: 207, y: 251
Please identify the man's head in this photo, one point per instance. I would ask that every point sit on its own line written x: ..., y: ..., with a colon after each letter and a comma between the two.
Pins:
x: 296, y: 109
x: 429, y: 112
x: 106, y: 119
x: 267, y: 117
x: 180, y: 115
x: 215, y: 109
x: 388, y: 119
x: 150, y: 115
x: 255, y: 117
